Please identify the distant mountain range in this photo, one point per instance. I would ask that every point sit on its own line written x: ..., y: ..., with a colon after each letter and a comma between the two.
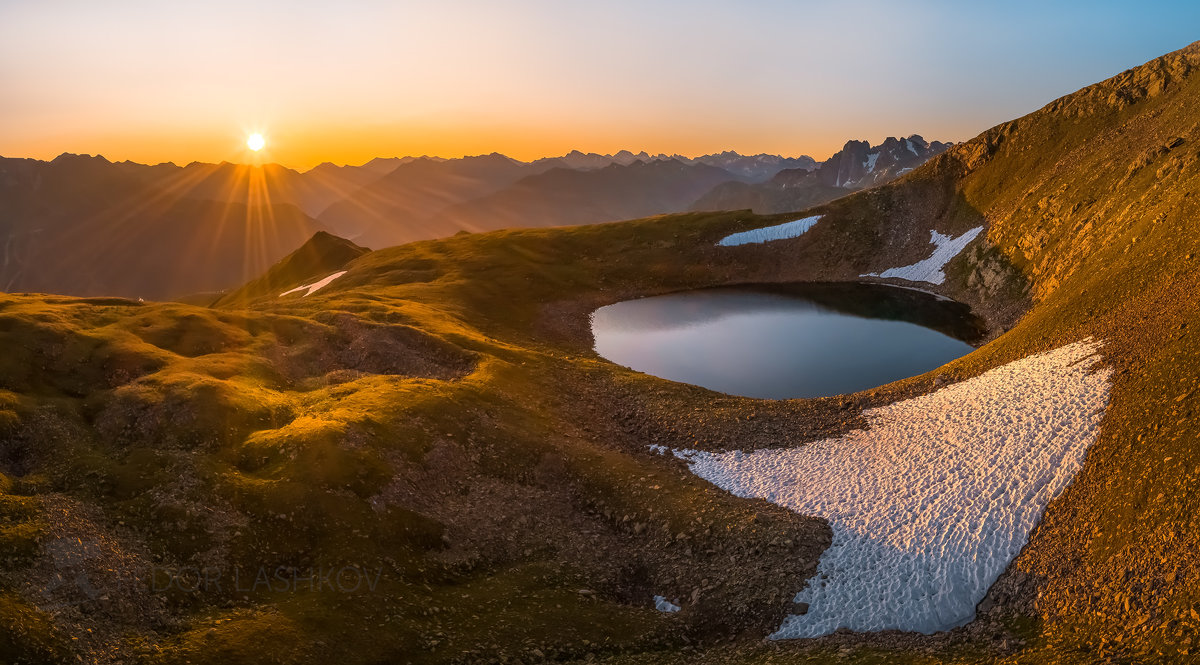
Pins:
x: 752, y: 168
x: 427, y: 198
x: 561, y: 196
x: 84, y: 225
x: 856, y: 166
x: 400, y: 206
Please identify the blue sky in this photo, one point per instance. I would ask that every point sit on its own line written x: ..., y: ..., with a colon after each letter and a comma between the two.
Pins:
x: 156, y: 81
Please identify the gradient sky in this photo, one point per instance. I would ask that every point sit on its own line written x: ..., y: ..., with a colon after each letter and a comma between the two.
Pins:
x: 159, y: 81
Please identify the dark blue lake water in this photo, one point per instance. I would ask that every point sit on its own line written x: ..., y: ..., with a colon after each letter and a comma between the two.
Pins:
x: 786, y: 341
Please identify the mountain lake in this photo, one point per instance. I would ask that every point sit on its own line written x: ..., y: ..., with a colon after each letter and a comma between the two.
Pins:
x: 781, y: 341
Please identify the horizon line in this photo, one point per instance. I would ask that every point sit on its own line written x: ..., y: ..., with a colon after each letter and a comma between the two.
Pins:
x: 653, y: 157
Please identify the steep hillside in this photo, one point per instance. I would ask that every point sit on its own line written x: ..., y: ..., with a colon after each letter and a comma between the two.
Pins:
x: 434, y: 426
x: 857, y: 165
x: 1088, y: 205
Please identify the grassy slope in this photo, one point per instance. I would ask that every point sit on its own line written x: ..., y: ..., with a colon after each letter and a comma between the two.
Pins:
x: 295, y: 434
x: 437, y: 412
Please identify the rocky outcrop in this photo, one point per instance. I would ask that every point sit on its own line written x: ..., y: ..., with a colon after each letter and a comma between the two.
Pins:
x: 859, y: 165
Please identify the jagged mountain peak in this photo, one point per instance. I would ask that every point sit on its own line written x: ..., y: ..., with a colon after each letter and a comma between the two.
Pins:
x: 78, y: 158
x: 859, y: 164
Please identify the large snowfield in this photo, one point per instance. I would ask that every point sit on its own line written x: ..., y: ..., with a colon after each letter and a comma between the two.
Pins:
x: 929, y: 504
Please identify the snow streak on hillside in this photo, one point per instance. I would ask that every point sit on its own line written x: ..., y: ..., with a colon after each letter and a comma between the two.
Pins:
x: 310, y: 289
x: 783, y: 231
x: 930, y: 269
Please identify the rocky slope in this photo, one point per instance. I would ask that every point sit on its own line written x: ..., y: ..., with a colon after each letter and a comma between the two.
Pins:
x: 859, y: 165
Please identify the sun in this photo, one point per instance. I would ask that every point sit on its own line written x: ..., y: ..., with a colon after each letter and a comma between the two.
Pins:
x: 255, y: 142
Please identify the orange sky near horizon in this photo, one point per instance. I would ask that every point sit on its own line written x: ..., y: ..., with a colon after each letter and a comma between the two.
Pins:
x: 154, y: 82
x: 303, y: 148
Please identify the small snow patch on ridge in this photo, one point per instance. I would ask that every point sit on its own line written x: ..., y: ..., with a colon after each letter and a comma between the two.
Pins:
x: 778, y: 232
x: 315, y: 286
x: 663, y: 605
x: 930, y: 269
x: 930, y: 504
x: 913, y: 288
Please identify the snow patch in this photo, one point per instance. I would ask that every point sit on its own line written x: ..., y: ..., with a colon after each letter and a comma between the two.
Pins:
x: 932, y: 501
x: 663, y: 605
x: 913, y: 288
x: 910, y: 147
x: 793, y: 229
x: 870, y: 163
x: 315, y: 286
x: 930, y: 269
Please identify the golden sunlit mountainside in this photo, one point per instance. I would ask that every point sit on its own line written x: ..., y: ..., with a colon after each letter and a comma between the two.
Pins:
x: 420, y: 453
